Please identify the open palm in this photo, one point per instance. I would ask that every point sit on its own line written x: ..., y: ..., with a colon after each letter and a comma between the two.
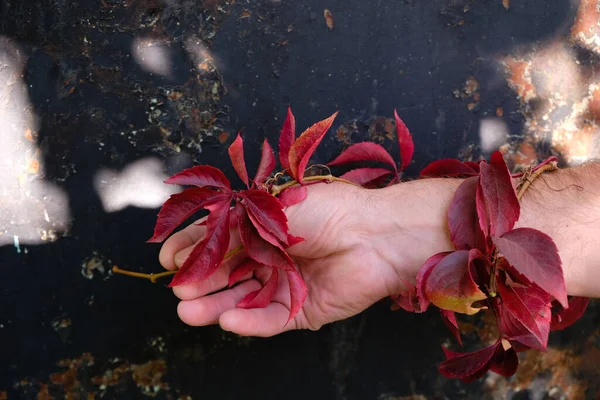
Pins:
x: 338, y: 261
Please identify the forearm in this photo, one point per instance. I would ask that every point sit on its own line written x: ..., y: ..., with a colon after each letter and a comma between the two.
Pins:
x: 565, y: 204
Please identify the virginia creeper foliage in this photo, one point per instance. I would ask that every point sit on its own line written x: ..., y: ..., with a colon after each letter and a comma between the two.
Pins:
x: 514, y: 273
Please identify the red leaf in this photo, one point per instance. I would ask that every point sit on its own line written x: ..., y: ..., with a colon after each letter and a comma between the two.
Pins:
x: 519, y: 308
x: 298, y: 292
x: 306, y: 145
x: 262, y: 297
x: 236, y: 154
x: 500, y: 197
x: 266, y: 213
x: 505, y: 362
x: 482, y: 214
x: 242, y: 270
x: 294, y: 240
x: 286, y: 139
x: 363, y: 176
x: 208, y: 254
x: 537, y: 303
x: 448, y: 167
x: 567, y: 317
x: 405, y: 141
x: 293, y: 195
x: 534, y: 254
x: 462, y: 215
x: 364, y: 151
x: 408, y: 299
x: 449, y: 319
x: 467, y: 366
x: 201, y: 176
x: 181, y: 206
x: 266, y: 165
x: 473, y: 165
x: 450, y: 285
x: 422, y: 276
x: 260, y: 250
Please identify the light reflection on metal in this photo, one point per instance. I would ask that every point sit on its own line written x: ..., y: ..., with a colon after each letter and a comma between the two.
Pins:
x: 32, y: 210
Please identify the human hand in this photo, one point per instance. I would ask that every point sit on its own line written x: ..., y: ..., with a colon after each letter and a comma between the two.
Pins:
x: 360, y: 246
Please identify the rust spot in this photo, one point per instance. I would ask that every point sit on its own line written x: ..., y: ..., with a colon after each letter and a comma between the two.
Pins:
x: 519, y: 78
x: 28, y: 135
x: 471, y: 106
x: 525, y: 156
x: 223, y: 137
x: 594, y: 106
x: 499, y: 112
x: 506, y: 4
x: 328, y: 18
x: 34, y: 166
x: 3, y: 395
x: 44, y: 393
x: 382, y: 128
x: 585, y: 29
x: 245, y: 14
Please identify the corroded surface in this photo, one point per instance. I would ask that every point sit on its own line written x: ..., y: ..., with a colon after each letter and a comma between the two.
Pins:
x: 101, y: 99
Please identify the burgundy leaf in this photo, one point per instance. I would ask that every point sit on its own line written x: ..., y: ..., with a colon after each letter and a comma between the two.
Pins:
x: 449, y: 319
x: 538, y: 303
x: 473, y: 165
x: 236, y: 154
x: 505, y: 362
x: 405, y: 141
x: 408, y: 300
x: 243, y: 270
x: 534, y: 254
x: 462, y: 215
x: 201, y: 176
x: 364, y: 151
x: 518, y: 307
x: 266, y: 165
x: 260, y: 250
x: 467, y: 366
x: 306, y: 145
x: 298, y: 292
x: 266, y: 213
x: 294, y: 240
x: 286, y: 139
x: 181, y: 206
x: 450, y: 284
x: 363, y: 176
x: 208, y: 254
x: 567, y: 317
x: 422, y: 276
x: 293, y: 195
x: 262, y: 297
x: 448, y: 167
x: 500, y: 197
x: 482, y: 214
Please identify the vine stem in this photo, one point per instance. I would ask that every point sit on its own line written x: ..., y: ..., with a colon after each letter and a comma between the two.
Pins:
x: 276, y: 190
x: 154, y: 277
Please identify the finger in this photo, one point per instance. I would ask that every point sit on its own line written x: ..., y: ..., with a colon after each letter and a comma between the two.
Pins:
x: 179, y: 241
x: 217, y: 281
x: 207, y: 310
x: 262, y: 322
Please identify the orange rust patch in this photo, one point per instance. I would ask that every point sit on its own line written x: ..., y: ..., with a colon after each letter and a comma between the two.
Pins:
x: 519, y: 78
x: 28, y: 135
x: 585, y: 29
x: 223, y: 137
x: 506, y: 4
x: 328, y: 18
x: 44, y: 393
x: 382, y: 128
x: 499, y: 112
x: 3, y: 395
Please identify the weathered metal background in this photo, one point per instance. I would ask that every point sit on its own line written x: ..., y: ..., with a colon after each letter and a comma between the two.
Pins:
x: 100, y: 99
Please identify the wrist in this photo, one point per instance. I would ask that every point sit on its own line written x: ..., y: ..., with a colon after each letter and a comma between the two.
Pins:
x: 408, y: 224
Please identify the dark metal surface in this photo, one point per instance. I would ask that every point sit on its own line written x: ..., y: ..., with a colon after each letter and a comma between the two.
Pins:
x: 92, y: 87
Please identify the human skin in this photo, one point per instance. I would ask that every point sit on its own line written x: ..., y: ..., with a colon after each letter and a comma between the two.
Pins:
x: 361, y: 245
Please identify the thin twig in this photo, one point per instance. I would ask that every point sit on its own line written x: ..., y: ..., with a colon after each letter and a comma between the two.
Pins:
x: 276, y: 190
x: 154, y: 277
x: 529, y: 177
